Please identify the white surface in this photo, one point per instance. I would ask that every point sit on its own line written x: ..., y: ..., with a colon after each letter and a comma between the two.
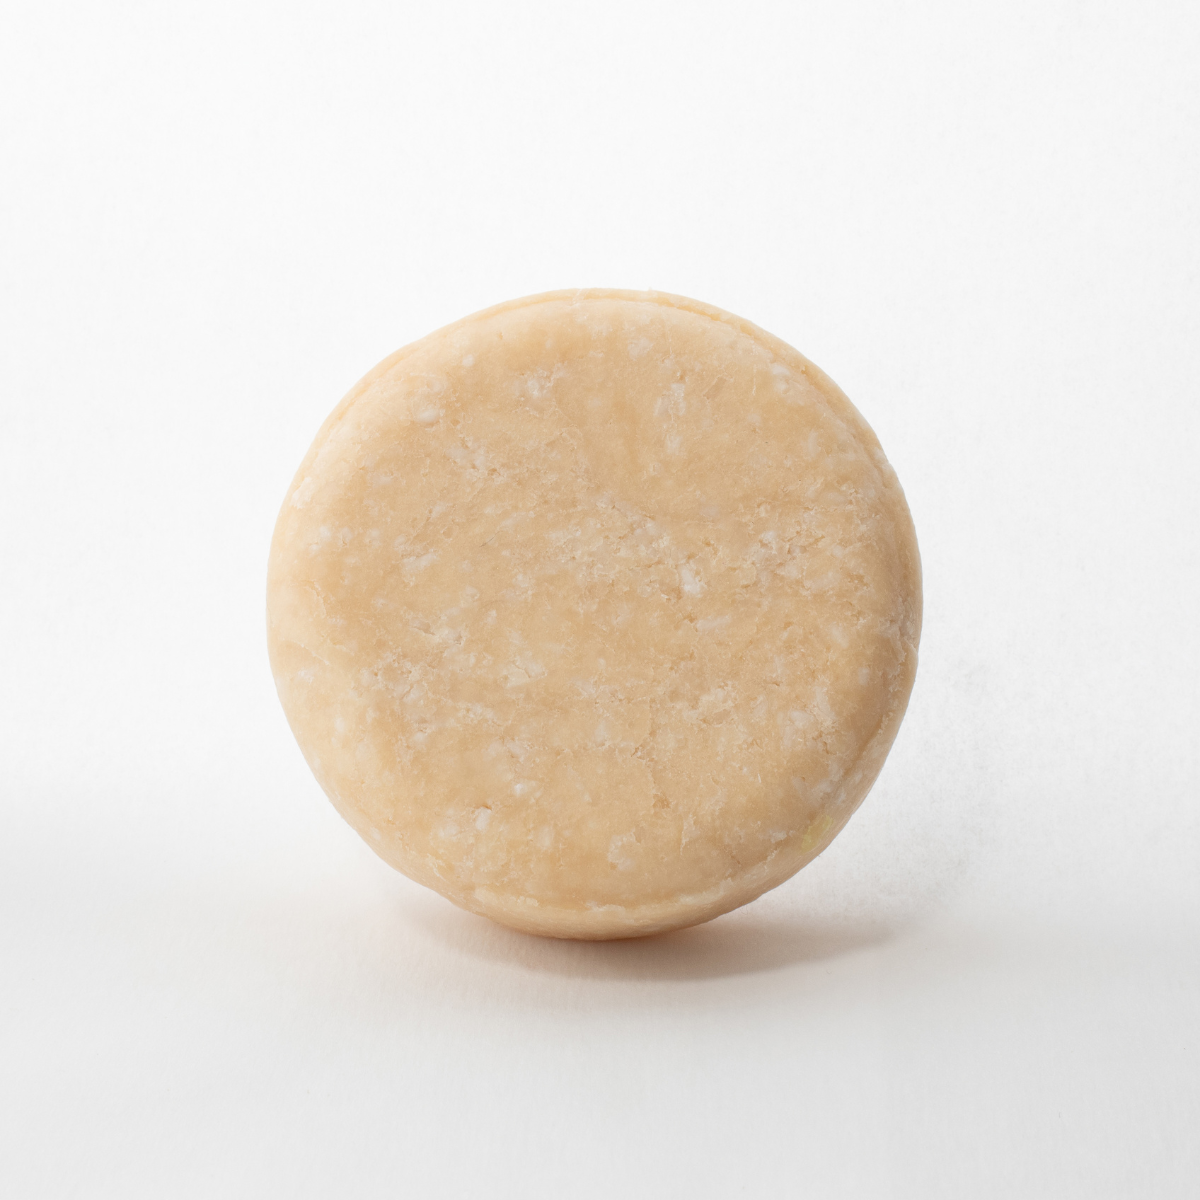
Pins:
x: 981, y: 220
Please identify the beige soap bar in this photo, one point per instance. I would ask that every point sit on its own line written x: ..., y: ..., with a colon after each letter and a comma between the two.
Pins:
x: 596, y: 612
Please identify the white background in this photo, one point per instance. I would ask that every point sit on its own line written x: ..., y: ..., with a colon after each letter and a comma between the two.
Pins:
x: 982, y: 219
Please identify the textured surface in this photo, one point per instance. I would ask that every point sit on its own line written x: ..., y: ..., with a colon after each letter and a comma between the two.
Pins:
x: 597, y: 612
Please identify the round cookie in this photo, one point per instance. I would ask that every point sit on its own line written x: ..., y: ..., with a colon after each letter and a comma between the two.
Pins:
x: 597, y: 612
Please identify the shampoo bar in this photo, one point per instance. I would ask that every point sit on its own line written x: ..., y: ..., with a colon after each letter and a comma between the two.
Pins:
x: 597, y: 612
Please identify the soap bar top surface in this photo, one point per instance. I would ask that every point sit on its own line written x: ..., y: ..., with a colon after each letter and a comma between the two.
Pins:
x: 597, y: 612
